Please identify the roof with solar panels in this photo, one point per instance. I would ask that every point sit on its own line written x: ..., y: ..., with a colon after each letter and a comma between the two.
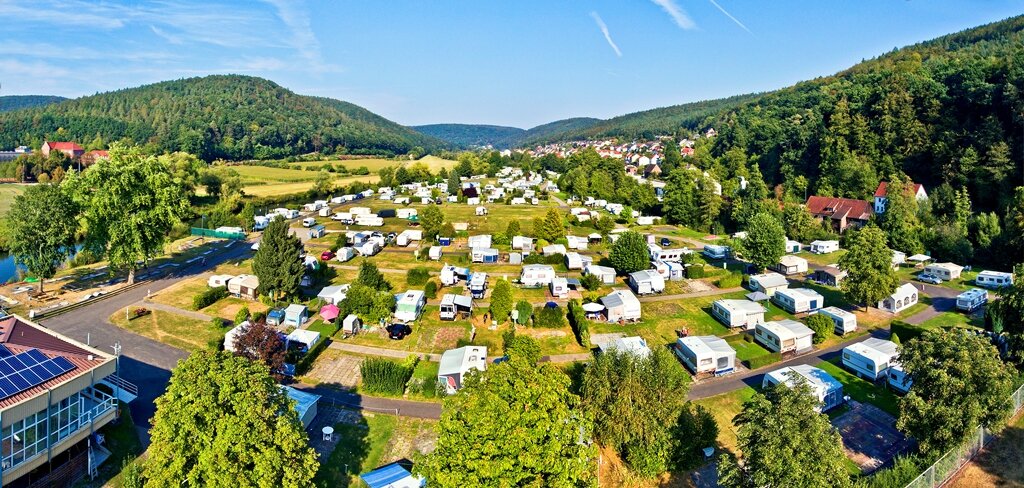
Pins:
x: 34, y: 359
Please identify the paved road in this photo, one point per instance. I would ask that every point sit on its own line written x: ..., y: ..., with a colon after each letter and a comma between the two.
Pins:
x: 407, y: 408
x: 943, y: 300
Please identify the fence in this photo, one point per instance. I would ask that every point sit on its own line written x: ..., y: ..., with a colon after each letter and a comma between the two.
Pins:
x: 197, y: 231
x: 949, y: 464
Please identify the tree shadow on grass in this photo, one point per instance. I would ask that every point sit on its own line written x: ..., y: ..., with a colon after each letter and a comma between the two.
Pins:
x: 349, y: 455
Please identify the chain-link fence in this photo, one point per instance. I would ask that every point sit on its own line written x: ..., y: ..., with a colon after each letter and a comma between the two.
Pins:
x: 952, y: 461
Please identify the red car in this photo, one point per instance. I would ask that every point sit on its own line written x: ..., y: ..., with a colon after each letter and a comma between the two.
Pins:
x: 326, y: 256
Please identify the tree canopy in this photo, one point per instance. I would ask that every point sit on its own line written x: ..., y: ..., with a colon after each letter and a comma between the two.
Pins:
x: 630, y: 253
x: 765, y: 242
x: 224, y: 422
x: 42, y: 226
x: 868, y: 263
x: 276, y: 263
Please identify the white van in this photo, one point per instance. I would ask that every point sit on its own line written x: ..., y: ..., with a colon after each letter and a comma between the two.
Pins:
x: 308, y: 222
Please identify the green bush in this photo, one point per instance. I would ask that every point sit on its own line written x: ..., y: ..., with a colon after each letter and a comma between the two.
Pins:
x: 259, y: 317
x: 822, y: 327
x: 762, y: 361
x: 904, y: 469
x: 590, y: 282
x: 731, y: 280
x: 695, y: 272
x: 417, y: 276
x: 83, y: 258
x: 208, y: 297
x: 905, y: 331
x: 242, y: 315
x: 430, y: 289
x: 579, y: 323
x: 385, y: 376
x: 549, y: 317
x: 131, y: 473
x: 525, y: 310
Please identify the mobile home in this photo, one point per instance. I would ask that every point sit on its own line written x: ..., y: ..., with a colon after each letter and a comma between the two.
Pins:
x: 845, y: 322
x: 456, y: 363
x: 706, y: 354
x: 798, y: 300
x: 536, y: 275
x: 573, y: 260
x: 716, y: 252
x: 994, y: 279
x: 870, y: 359
x: 244, y: 286
x: 793, y: 247
x: 738, y: 313
x: 604, y: 273
x: 553, y: 249
x: 481, y: 241
x: 559, y: 287
x: 621, y: 306
x: 768, y: 283
x: 824, y: 247
x: 830, y: 275
x: 944, y: 271
x: 478, y: 285
x: 455, y: 306
x: 646, y: 282
x: 825, y: 388
x: 897, y: 378
x: 903, y: 298
x: 784, y: 336
x: 970, y: 300
x: 410, y: 305
x: 577, y: 243
x: 435, y: 253
x: 369, y: 221
x: 522, y: 243
x: 789, y: 265
x: 345, y: 254
x: 484, y: 255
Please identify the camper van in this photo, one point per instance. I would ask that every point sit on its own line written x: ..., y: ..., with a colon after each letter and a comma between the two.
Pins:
x: 478, y: 285
x: 410, y: 306
x: 970, y: 300
x: 994, y: 279
x: 308, y: 222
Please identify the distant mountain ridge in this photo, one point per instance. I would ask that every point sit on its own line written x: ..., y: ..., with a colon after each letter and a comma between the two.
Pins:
x: 18, y: 102
x: 502, y: 137
x: 222, y: 116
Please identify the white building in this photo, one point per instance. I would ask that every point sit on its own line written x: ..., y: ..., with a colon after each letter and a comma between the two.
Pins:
x: 646, y: 282
x: 844, y: 321
x: 706, y: 354
x: 738, y: 313
x: 798, y: 300
x: 456, y: 363
x: 871, y: 358
x: 903, y: 298
x: 784, y: 336
x: 621, y: 306
x: 768, y: 283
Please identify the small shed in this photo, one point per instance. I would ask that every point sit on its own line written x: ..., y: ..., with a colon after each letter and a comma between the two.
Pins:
x: 305, y: 404
x: 706, y: 354
x: 295, y: 314
x: 350, y: 324
x: 793, y: 247
x: 515, y: 258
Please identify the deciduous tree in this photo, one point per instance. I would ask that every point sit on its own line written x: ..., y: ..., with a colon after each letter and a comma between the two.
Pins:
x: 765, y: 242
x: 868, y: 263
x: 41, y: 228
x: 501, y: 300
x: 629, y: 253
x: 431, y: 219
x: 899, y: 221
x: 261, y: 343
x: 371, y: 277
x: 224, y: 422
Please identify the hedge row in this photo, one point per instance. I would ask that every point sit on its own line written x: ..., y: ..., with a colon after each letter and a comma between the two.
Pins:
x: 762, y: 361
x: 579, y: 323
x: 386, y: 376
x: 905, y: 331
x: 549, y: 317
x: 208, y: 297
x: 305, y: 363
x: 695, y: 271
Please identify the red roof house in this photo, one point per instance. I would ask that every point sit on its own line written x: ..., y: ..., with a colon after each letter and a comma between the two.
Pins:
x: 841, y: 212
x: 70, y: 148
x: 882, y: 194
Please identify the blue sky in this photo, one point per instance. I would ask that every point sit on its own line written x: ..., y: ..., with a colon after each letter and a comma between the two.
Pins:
x: 519, y: 63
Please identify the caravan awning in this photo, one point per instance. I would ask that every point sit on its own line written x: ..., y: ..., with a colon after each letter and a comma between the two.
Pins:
x: 757, y: 296
x: 919, y: 258
x: 592, y: 307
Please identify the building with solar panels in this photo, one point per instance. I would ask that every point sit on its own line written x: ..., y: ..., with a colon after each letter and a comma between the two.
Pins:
x: 54, y: 393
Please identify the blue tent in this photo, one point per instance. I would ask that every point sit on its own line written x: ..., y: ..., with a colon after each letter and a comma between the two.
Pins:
x: 391, y: 476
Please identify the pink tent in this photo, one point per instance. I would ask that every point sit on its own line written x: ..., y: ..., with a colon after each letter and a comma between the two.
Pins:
x: 329, y: 312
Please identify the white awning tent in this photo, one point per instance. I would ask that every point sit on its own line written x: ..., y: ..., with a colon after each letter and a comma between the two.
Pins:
x: 919, y: 258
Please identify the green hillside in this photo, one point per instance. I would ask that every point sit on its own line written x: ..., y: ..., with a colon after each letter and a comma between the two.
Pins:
x: 555, y: 130
x: 231, y: 117
x: 18, y: 102
x: 471, y: 135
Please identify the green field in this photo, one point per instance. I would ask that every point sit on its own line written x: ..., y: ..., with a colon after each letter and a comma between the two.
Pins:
x: 376, y: 164
x: 7, y: 193
x: 724, y: 408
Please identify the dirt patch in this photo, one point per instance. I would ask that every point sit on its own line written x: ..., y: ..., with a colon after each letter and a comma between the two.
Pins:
x: 448, y: 337
x: 1000, y: 464
x: 697, y: 286
x: 542, y: 333
x: 870, y: 438
x: 613, y: 471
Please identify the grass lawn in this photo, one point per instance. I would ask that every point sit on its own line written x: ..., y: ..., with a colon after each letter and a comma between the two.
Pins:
x: 823, y: 259
x: 123, y: 442
x: 746, y: 351
x: 372, y: 164
x: 379, y: 440
x: 725, y: 407
x: 172, y: 329
x: 7, y: 193
x: 949, y: 320
x: 860, y: 389
x: 227, y: 308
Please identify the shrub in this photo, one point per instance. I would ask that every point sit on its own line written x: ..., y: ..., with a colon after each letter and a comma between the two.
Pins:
x: 384, y: 376
x: 259, y: 317
x: 242, y: 315
x: 549, y: 317
x: 430, y: 289
x: 731, y: 280
x: 131, y: 473
x: 904, y: 469
x: 208, y: 297
x: 521, y: 346
x: 417, y: 276
x: 590, y: 282
x: 525, y: 310
x: 695, y: 272
x: 579, y: 323
x: 821, y: 325
x: 762, y: 361
x: 83, y: 258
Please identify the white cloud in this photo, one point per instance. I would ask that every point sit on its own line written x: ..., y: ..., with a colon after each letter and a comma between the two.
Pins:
x: 678, y: 15
x: 727, y: 14
x: 13, y: 13
x: 604, y: 30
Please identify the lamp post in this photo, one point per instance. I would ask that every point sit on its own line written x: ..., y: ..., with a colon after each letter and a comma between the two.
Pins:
x: 117, y: 372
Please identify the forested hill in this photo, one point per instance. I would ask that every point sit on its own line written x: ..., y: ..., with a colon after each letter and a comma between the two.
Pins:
x: 470, y: 135
x: 224, y: 116
x: 17, y: 102
x: 950, y: 110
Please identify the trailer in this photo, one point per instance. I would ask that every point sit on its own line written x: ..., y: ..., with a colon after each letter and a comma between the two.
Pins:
x: 970, y: 300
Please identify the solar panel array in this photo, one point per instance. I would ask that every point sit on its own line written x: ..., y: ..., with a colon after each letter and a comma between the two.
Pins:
x: 19, y: 372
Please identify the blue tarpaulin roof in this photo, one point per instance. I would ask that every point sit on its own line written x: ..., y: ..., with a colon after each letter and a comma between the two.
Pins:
x: 387, y: 476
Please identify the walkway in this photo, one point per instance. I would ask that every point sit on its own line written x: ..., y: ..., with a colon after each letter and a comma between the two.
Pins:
x: 436, y: 358
x: 405, y: 408
x: 175, y: 310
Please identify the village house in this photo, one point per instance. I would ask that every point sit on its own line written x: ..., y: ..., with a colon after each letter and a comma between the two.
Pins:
x: 71, y: 149
x: 841, y: 213
x: 882, y: 195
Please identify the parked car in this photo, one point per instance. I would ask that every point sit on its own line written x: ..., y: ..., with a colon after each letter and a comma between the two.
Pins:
x: 326, y: 255
x: 927, y: 278
x: 398, y: 331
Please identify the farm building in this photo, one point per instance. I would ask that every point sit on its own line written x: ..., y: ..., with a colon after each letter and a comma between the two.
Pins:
x: 992, y: 279
x: 827, y: 389
x: 798, y: 300
x: 738, y: 313
x: 768, y: 283
x: 970, y: 300
x: 410, y: 305
x: 646, y: 282
x: 830, y: 275
x: 870, y: 359
x: 944, y: 271
x: 789, y: 265
x: 636, y: 346
x: 456, y: 363
x: 706, y: 354
x: 455, y: 306
x: 244, y: 286
x: 603, y: 273
x: 824, y: 247
x: 903, y: 298
x: 536, y: 275
x: 845, y: 322
x: 784, y: 336
x: 621, y: 306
